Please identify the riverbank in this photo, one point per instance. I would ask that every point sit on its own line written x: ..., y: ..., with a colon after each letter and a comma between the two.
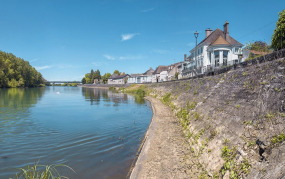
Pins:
x: 165, y: 148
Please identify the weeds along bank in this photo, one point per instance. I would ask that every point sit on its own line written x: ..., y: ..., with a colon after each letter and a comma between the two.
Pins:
x: 234, y: 122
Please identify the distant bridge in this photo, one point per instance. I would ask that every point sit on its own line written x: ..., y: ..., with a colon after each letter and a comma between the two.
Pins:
x: 64, y: 81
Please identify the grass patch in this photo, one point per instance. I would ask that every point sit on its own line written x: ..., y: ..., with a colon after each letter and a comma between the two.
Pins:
x: 112, y: 88
x: 41, y: 172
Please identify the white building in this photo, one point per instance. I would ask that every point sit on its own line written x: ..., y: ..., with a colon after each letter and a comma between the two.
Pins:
x: 216, y: 50
x: 118, y: 79
x: 141, y: 78
x: 160, y: 74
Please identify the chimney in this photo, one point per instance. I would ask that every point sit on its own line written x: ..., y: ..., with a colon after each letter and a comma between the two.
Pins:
x: 226, y: 31
x: 208, y: 32
x: 185, y: 56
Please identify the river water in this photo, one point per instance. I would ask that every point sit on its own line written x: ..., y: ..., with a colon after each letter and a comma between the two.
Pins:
x: 94, y: 131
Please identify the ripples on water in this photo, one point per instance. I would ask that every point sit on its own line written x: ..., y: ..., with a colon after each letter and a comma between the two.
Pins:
x: 94, y: 131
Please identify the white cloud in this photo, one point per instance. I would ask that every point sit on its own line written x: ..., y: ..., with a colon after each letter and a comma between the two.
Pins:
x: 43, y: 67
x: 131, y: 57
x: 33, y: 60
x: 128, y: 36
x: 160, y: 51
x: 191, y: 44
x: 97, y: 64
x: 109, y: 57
x: 147, y: 10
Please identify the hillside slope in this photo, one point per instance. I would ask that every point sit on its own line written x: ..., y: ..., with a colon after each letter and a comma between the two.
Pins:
x: 234, y: 122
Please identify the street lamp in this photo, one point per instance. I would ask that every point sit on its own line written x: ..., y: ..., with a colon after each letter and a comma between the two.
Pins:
x: 196, y: 36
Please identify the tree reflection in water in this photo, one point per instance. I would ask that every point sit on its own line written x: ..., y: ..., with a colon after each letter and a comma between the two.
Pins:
x: 94, y: 94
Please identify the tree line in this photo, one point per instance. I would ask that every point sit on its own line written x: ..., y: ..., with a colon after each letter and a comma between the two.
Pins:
x: 90, y: 77
x: 16, y: 72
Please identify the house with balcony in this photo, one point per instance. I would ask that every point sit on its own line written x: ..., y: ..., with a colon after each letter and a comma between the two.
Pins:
x: 216, y: 50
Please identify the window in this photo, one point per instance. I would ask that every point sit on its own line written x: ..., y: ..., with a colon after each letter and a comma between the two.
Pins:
x: 210, y: 57
x: 217, y: 58
x: 236, y: 50
x: 201, y: 50
x: 225, y: 58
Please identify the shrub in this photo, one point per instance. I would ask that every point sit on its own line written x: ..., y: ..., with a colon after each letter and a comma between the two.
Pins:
x: 166, y: 98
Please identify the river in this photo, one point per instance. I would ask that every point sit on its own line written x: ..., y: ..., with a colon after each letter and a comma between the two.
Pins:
x: 94, y: 131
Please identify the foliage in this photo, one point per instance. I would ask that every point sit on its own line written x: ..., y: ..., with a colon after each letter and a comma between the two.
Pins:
x: 166, y: 98
x: 260, y: 46
x: 192, y: 105
x: 140, y: 93
x: 15, y: 72
x: 83, y: 81
x: 278, y: 139
x: 112, y: 88
x: 105, y: 77
x: 116, y: 72
x: 280, y: 26
x: 46, y: 172
x: 229, y: 156
x: 176, y: 75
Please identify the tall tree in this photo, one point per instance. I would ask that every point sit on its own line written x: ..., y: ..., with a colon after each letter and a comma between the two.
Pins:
x: 279, y: 32
x: 116, y: 72
x: 91, y: 76
x: 260, y: 46
x: 83, y: 81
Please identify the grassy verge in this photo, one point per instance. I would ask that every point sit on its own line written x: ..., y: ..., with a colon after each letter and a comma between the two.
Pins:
x: 138, y: 90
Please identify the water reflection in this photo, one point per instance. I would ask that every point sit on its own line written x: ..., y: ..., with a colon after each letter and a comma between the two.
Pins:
x: 94, y: 95
x: 94, y: 131
x: 14, y: 108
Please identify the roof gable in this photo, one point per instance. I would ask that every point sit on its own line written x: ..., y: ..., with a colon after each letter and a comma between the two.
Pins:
x: 160, y: 69
x: 219, y: 41
x: 215, y: 35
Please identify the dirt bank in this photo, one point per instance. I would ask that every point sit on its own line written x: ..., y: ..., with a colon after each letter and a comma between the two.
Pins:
x: 163, y: 153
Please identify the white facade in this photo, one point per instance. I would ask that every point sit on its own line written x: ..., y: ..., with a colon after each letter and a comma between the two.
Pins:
x: 163, y: 76
x: 216, y: 56
x: 217, y: 50
x: 140, y: 79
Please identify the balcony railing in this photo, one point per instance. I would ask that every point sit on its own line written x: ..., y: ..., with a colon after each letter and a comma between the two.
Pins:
x: 211, y: 67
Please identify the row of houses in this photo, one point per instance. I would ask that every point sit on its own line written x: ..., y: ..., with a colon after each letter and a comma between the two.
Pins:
x: 160, y: 74
x: 217, y: 50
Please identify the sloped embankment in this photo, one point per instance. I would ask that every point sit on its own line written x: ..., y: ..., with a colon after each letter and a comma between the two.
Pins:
x: 234, y: 122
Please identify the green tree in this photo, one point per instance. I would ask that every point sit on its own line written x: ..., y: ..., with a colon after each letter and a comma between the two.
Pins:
x: 97, y: 75
x: 105, y: 77
x: 15, y: 72
x: 91, y: 76
x: 280, y: 28
x: 260, y: 46
x: 116, y: 72
x: 83, y: 81
x: 87, y: 78
x: 176, y: 75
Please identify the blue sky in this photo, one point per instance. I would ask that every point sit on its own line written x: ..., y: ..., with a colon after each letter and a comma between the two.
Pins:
x: 64, y: 39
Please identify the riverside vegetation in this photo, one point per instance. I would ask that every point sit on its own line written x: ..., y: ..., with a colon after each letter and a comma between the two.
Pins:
x: 15, y: 72
x: 234, y: 122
